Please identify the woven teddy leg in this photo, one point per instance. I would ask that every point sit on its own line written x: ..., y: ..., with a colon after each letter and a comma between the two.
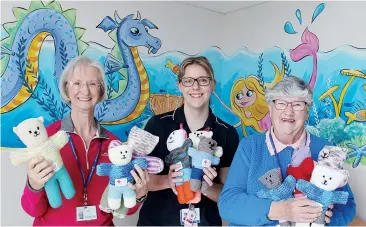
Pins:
x: 204, y: 186
x: 129, y: 197
x: 196, y: 179
x: 53, y: 192
x: 65, y: 181
x: 188, y: 193
x: 180, y: 194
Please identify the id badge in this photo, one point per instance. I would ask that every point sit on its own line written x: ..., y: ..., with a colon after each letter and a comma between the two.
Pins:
x: 190, y: 217
x: 86, y: 213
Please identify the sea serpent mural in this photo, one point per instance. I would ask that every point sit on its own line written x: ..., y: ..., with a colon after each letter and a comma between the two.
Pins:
x: 20, y: 58
x: 20, y: 51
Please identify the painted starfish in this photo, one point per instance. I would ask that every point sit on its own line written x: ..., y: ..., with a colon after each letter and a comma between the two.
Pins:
x: 357, y: 152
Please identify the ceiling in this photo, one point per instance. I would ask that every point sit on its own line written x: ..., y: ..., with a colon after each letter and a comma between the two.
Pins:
x: 223, y: 7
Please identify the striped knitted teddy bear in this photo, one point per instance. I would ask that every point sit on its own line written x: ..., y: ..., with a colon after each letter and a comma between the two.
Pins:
x: 178, y: 144
x: 33, y: 134
x: 119, y: 174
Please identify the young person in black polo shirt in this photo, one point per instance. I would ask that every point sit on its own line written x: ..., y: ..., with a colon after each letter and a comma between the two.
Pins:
x: 196, y: 82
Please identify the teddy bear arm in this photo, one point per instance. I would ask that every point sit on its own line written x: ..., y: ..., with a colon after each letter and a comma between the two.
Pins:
x: 340, y: 197
x: 20, y: 158
x: 140, y: 162
x: 104, y: 169
x: 304, y: 186
x: 60, y: 139
x: 215, y: 161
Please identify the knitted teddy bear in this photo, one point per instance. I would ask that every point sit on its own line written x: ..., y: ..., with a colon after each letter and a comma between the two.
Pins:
x: 119, y: 174
x: 195, y: 137
x: 178, y: 144
x: 302, y: 166
x: 327, y: 176
x: 33, y: 134
x: 276, y: 189
x: 143, y: 143
x: 201, y: 158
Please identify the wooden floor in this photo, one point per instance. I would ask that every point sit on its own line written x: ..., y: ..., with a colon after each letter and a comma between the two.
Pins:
x: 358, y: 222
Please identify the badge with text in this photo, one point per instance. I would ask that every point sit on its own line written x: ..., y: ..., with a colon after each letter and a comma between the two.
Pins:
x: 120, y: 182
x: 190, y: 217
x: 86, y: 213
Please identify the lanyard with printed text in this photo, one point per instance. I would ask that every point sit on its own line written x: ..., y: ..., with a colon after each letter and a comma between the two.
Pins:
x: 275, y: 150
x: 85, y: 181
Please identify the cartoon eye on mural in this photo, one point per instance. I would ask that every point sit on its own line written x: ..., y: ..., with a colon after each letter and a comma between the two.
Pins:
x: 128, y: 33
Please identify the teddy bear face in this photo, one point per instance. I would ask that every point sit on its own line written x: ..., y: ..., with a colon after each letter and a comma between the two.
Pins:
x: 332, y: 156
x: 272, y: 178
x: 176, y: 139
x: 195, y: 136
x: 327, y: 178
x: 120, y: 155
x: 31, y: 132
x: 207, y: 145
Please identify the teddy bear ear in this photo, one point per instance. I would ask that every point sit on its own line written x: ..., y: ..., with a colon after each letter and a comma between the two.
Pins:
x: 345, y: 178
x: 41, y: 119
x: 15, y: 129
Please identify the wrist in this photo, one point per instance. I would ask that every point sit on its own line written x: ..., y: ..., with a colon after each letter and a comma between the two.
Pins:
x: 141, y: 199
x: 33, y: 186
x: 273, y: 210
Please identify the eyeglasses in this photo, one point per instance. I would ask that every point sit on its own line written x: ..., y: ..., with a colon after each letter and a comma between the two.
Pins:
x: 296, y: 106
x: 189, y: 81
x: 77, y: 85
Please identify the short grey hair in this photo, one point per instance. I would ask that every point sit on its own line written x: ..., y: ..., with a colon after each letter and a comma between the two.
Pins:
x: 290, y: 87
x: 72, y: 67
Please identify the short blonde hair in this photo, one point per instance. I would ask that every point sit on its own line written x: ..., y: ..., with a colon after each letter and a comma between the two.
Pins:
x: 201, y: 61
x: 73, y: 66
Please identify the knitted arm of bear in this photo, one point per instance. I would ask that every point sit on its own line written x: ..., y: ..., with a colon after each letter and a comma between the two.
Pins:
x: 141, y: 162
x: 340, y: 197
x: 60, y: 139
x: 282, y: 192
x: 103, y: 169
x: 306, y: 187
x: 215, y: 160
x: 20, y: 156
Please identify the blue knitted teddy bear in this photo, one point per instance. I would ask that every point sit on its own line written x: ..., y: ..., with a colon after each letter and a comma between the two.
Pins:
x: 201, y: 158
x: 276, y: 189
x: 119, y: 174
x: 327, y: 176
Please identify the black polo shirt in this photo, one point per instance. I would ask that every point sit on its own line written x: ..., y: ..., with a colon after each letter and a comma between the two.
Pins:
x: 162, y: 207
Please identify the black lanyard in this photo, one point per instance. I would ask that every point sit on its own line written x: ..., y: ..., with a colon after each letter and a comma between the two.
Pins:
x: 276, y: 153
x: 85, y: 181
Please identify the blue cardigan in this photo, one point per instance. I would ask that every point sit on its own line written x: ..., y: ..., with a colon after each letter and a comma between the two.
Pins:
x: 238, y: 203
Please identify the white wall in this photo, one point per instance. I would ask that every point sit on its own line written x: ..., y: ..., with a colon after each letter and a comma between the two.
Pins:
x: 181, y: 28
x: 262, y: 27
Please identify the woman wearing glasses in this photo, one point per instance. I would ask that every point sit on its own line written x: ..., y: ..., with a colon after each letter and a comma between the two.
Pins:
x: 196, y: 82
x: 82, y: 86
x: 257, y: 158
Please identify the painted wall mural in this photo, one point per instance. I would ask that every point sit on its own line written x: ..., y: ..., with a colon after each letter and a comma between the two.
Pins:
x: 37, y: 46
